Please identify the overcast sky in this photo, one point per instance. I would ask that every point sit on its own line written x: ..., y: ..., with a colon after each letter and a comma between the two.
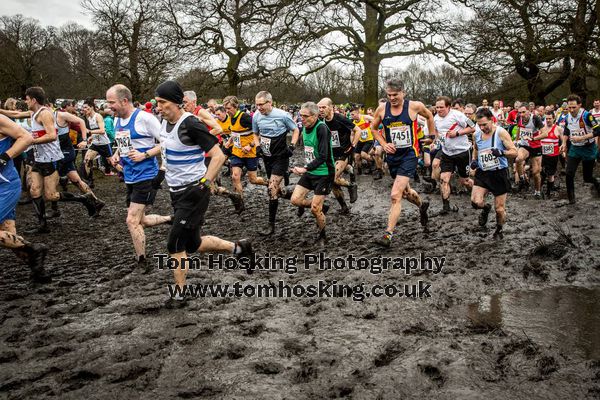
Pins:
x: 48, y: 12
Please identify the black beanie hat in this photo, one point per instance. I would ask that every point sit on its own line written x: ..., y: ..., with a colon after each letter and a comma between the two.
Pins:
x: 171, y: 91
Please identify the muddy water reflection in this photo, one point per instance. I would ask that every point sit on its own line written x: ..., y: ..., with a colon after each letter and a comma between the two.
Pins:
x: 567, y: 318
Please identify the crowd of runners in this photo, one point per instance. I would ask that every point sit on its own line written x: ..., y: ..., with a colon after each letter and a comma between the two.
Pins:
x: 491, y: 150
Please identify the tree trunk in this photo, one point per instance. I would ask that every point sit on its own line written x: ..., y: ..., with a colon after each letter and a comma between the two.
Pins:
x: 233, y: 77
x: 371, y: 58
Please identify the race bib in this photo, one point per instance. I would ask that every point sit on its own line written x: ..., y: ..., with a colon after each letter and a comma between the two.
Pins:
x: 401, y: 136
x: 578, y: 133
x: 237, y: 142
x: 547, y: 149
x: 309, y: 154
x: 123, y: 142
x: 526, y: 134
x: 265, y: 145
x: 364, y: 135
x: 487, y: 160
x: 335, y: 139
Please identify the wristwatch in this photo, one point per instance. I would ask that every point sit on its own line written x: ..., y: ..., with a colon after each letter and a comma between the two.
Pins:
x: 205, y: 182
x: 146, y: 155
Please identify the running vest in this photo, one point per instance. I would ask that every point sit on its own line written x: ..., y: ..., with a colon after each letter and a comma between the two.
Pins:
x: 185, y: 164
x: 225, y: 125
x: 241, y: 137
x: 8, y: 174
x: 550, y: 145
x: 485, y: 159
x: 454, y: 120
x: 97, y: 139
x: 577, y: 127
x: 45, y: 152
x: 311, y: 147
x: 63, y: 134
x: 365, y: 129
x: 126, y: 139
x: 401, y: 131
x: 596, y: 114
x: 528, y: 131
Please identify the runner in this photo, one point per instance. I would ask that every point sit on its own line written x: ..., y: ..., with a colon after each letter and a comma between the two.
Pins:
x: 399, y: 117
x: 596, y: 113
x: 492, y: 146
x: 530, y: 148
x: 135, y: 134
x: 100, y: 143
x: 580, y: 130
x: 243, y: 152
x: 453, y: 129
x: 271, y: 126
x: 185, y: 142
x: 14, y: 141
x: 365, y: 140
x: 46, y: 149
x: 344, y: 137
x: 190, y: 105
x: 550, y: 136
x: 319, y: 172
x: 66, y: 166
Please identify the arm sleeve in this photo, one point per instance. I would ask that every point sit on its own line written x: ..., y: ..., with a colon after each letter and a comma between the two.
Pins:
x: 346, y: 123
x: 592, y: 123
x: 324, y: 137
x: 247, y: 121
x: 537, y: 122
x: 198, y: 133
x: 151, y: 125
x: 289, y: 122
x: 255, y: 123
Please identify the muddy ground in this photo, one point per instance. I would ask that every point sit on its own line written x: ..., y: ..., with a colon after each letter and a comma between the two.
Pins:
x: 101, y: 329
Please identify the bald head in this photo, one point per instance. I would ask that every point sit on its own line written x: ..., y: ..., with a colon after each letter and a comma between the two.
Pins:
x: 119, y: 100
x: 326, y: 108
x: 122, y: 92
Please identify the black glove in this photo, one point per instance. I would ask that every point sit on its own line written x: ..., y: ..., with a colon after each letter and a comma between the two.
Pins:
x: 4, y: 159
x: 497, y: 152
x: 473, y: 164
x: 158, y: 179
x: 291, y: 149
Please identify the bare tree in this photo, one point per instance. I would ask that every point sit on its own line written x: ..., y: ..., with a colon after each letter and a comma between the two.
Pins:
x: 138, y: 49
x: 237, y: 40
x: 23, y: 44
x: 547, y: 43
x: 366, y: 32
x: 583, y: 24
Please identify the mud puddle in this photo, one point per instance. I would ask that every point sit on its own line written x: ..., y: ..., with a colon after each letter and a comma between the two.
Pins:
x: 566, y: 317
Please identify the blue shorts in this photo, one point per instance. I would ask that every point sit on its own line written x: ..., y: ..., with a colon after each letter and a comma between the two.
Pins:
x: 10, y: 194
x: 405, y: 165
x: 251, y: 164
x: 67, y: 164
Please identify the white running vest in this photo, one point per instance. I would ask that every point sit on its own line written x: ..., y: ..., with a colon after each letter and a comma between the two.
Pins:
x: 185, y: 164
x: 97, y: 139
x: 44, y: 152
x: 577, y: 127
